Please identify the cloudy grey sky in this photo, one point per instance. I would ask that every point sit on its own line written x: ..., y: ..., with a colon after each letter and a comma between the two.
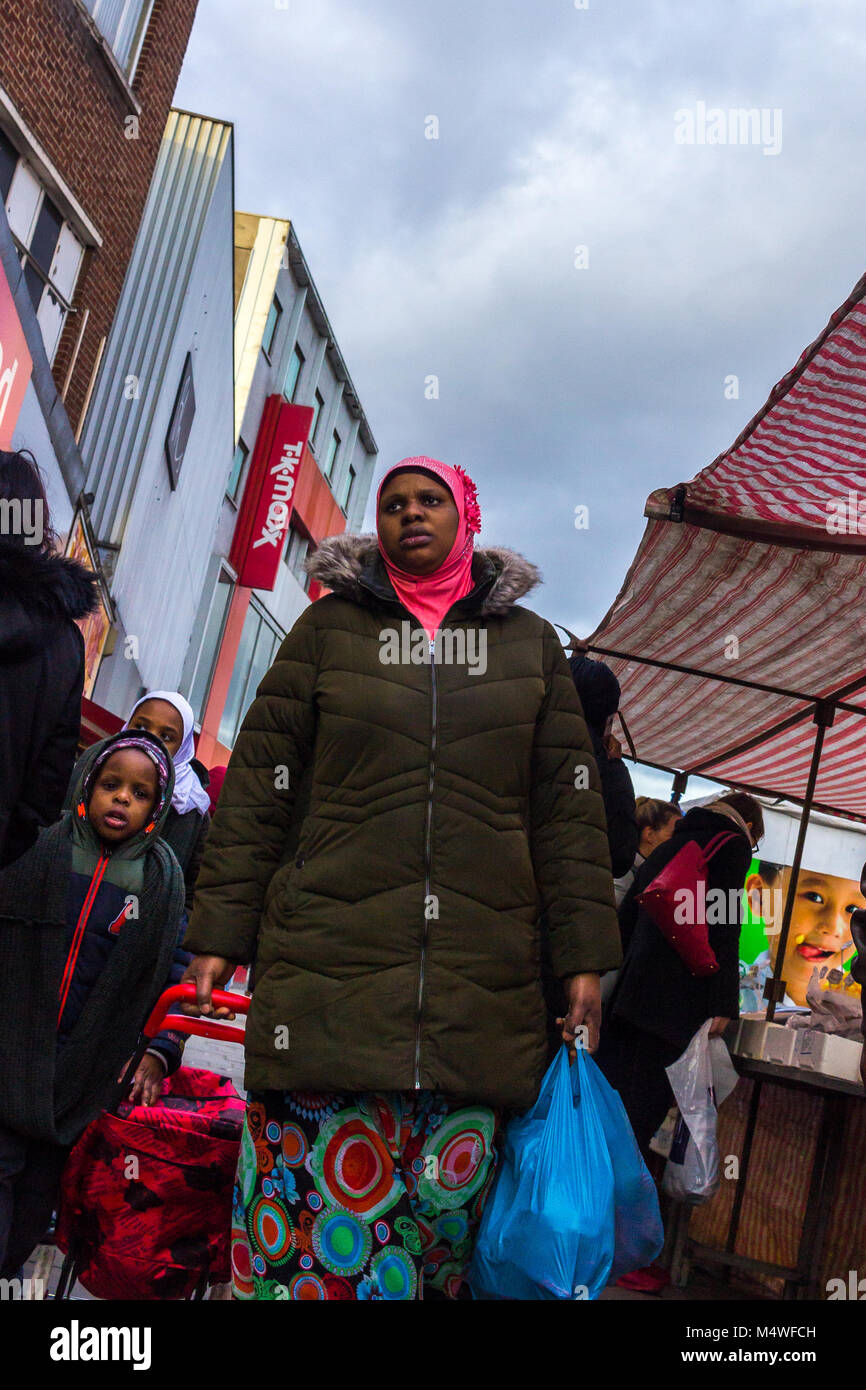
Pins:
x: 455, y: 257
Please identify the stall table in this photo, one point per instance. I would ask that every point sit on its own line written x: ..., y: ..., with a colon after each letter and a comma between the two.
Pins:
x: 802, y: 1279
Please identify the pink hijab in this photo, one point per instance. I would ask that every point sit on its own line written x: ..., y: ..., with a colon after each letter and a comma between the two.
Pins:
x: 429, y: 596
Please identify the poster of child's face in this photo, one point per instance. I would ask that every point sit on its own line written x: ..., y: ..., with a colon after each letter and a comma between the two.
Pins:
x: 820, y: 930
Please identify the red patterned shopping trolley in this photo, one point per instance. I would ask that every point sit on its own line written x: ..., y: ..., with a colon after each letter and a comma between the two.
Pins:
x: 145, y: 1209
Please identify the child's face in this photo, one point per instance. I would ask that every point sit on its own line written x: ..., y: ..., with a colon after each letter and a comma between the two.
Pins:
x: 820, y: 930
x: 123, y: 796
x: 160, y: 718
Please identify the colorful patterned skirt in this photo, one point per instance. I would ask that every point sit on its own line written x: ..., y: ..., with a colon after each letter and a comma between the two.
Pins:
x: 359, y: 1196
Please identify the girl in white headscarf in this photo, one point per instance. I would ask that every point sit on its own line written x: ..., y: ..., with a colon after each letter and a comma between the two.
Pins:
x: 168, y: 715
x: 175, y: 726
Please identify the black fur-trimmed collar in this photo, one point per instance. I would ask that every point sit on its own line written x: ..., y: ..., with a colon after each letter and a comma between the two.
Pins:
x: 340, y: 561
x: 44, y: 584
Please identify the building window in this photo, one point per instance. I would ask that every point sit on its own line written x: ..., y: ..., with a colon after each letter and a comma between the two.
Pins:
x: 348, y: 484
x: 8, y: 160
x: 50, y: 252
x: 210, y: 645
x: 242, y: 453
x: 123, y: 24
x: 317, y: 415
x: 259, y: 642
x: 333, y: 450
x: 274, y: 315
x: 290, y: 385
x: 295, y: 553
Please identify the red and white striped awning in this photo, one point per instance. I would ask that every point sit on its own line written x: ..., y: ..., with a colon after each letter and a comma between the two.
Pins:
x: 762, y: 582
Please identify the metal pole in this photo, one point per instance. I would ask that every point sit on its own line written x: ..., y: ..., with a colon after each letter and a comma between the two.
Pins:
x: 808, y: 699
x: 774, y: 989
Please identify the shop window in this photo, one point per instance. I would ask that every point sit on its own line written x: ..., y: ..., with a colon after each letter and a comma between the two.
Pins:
x: 275, y: 313
x: 258, y: 646
x: 50, y: 252
x: 123, y: 24
x: 210, y: 644
x: 290, y: 385
x: 242, y: 453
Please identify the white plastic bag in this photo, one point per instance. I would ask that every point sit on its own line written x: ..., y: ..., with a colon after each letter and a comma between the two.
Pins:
x: 701, y: 1080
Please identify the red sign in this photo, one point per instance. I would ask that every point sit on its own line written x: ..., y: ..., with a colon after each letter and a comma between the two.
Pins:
x: 15, y: 363
x: 263, y: 521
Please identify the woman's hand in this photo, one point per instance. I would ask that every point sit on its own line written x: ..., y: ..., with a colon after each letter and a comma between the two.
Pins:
x: 718, y: 1026
x: 207, y: 973
x: 583, y: 1019
x: 147, y: 1082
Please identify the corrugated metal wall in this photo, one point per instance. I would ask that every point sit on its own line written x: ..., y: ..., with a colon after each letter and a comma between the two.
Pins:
x: 177, y: 298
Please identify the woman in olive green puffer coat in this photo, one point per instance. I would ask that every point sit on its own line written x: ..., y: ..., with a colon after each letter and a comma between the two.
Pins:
x: 393, y: 823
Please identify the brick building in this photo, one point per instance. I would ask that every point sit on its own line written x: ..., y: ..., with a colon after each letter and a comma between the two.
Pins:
x: 85, y: 90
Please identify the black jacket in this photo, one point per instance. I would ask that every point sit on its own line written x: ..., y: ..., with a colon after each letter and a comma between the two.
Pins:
x: 52, y: 1092
x: 598, y: 689
x: 105, y: 919
x: 655, y: 991
x: 41, y: 680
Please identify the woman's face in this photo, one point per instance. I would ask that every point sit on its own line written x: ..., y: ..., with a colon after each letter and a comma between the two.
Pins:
x: 417, y: 522
x: 160, y: 718
x: 651, y: 839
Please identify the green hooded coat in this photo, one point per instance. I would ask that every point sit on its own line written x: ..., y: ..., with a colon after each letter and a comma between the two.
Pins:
x: 389, y: 833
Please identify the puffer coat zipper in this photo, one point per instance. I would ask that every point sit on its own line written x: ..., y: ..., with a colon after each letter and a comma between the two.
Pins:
x: 428, y: 842
x: 428, y: 860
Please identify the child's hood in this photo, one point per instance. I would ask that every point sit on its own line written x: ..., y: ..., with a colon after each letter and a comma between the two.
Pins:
x: 82, y: 830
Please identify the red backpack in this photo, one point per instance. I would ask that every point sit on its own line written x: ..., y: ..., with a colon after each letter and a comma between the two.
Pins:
x: 665, y: 900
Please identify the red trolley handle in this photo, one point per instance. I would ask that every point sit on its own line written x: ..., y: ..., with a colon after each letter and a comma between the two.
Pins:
x: 185, y: 1023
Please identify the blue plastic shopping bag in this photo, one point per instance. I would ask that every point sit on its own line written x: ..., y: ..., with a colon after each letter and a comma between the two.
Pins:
x: 639, y: 1233
x: 548, y: 1225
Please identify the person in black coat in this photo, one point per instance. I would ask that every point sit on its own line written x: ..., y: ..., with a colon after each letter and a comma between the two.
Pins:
x: 41, y: 658
x: 598, y: 689
x: 858, y: 964
x: 599, y: 692
x: 658, y: 1005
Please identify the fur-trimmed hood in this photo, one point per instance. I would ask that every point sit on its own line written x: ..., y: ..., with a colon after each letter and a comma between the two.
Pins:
x: 37, y: 588
x: 351, y: 566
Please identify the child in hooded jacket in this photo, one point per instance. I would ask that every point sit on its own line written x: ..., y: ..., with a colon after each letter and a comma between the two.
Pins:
x: 90, y: 919
x: 169, y: 716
